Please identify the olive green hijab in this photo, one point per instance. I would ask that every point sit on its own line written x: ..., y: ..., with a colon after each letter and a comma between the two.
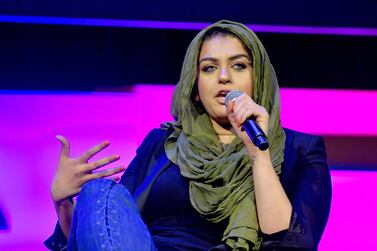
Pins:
x: 220, y: 182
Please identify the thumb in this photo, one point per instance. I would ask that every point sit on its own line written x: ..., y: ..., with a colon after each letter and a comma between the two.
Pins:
x: 65, y: 150
x: 231, y: 116
x: 229, y: 112
x: 232, y: 120
x: 229, y: 107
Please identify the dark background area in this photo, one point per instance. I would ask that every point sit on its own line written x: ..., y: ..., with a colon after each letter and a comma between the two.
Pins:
x: 72, y: 57
x: 341, y: 13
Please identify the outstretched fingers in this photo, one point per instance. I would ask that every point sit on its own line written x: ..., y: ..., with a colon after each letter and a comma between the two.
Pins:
x: 101, y: 162
x: 106, y: 173
x: 93, y: 151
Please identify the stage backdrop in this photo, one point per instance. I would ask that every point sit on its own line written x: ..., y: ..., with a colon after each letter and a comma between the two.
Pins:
x: 29, y: 151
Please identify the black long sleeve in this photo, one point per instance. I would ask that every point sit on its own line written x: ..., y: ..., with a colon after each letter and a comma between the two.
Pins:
x: 308, y: 187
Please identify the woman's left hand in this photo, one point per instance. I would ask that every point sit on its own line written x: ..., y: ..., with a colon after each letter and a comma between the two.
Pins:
x: 240, y: 110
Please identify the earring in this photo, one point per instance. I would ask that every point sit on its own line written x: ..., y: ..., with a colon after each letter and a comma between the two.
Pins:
x: 197, y: 98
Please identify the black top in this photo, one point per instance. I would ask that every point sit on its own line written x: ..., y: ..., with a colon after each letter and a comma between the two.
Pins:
x: 175, y: 225
x: 171, y: 219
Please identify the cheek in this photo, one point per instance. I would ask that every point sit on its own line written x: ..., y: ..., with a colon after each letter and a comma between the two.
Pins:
x: 245, y: 86
x: 250, y: 89
x: 204, y: 88
x: 248, y: 85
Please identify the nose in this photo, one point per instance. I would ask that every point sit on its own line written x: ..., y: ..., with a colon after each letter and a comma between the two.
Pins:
x: 224, y: 77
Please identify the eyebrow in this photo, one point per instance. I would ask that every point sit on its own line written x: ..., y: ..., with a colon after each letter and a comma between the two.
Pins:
x: 230, y: 59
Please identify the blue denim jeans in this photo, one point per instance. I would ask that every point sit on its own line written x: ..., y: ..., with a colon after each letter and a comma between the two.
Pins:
x: 107, y: 218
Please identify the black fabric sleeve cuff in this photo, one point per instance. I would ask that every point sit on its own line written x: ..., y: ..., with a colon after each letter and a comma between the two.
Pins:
x: 57, y: 241
x: 297, y: 237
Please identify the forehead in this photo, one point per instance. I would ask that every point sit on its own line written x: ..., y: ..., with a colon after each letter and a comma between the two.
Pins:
x: 219, y: 47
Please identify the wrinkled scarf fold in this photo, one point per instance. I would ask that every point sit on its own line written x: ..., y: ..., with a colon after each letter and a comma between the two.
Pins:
x: 220, y: 182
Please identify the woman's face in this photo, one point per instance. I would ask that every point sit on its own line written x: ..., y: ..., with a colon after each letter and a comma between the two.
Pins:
x: 224, y: 65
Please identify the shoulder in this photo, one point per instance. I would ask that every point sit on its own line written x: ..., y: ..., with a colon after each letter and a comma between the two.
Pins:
x: 300, y: 136
x: 304, y: 153
x: 155, y: 138
x: 152, y: 145
x: 158, y: 133
x: 302, y: 143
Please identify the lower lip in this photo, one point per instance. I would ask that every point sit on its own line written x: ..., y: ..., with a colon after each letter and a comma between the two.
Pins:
x: 221, y: 100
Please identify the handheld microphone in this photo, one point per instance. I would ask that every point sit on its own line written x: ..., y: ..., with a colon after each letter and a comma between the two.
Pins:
x: 256, y: 134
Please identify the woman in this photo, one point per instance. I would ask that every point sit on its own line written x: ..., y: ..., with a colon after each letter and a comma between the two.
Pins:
x: 199, y: 182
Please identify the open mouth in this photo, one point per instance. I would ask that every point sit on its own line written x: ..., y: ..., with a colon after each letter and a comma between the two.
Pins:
x: 222, y: 93
x: 221, y: 96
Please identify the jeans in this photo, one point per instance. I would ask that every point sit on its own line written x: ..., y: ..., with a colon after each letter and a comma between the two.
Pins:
x: 107, y: 218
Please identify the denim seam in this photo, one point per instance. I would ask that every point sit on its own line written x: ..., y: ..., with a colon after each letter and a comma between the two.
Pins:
x: 107, y: 216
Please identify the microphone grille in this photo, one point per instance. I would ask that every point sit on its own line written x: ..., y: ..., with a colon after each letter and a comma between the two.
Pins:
x: 232, y: 95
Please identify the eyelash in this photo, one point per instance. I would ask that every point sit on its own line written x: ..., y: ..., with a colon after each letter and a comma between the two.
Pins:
x: 240, y: 67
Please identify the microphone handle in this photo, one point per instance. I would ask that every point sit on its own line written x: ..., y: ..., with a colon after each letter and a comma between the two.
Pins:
x: 256, y: 134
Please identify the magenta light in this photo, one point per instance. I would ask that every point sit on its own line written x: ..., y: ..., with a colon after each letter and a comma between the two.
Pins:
x: 29, y: 151
x: 353, y: 208
x: 345, y: 31
x: 312, y: 30
x: 330, y: 112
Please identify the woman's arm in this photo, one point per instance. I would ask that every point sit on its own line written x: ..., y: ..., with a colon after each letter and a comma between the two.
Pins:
x: 64, y: 211
x: 64, y: 206
x: 273, y: 206
x: 307, y: 182
x: 71, y: 174
x: 303, y: 210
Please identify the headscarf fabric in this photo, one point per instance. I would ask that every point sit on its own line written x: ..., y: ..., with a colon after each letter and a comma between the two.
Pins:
x: 220, y: 182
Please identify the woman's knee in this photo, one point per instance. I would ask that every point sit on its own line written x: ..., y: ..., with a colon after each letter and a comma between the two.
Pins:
x: 95, y: 188
x: 98, y: 184
x: 121, y: 194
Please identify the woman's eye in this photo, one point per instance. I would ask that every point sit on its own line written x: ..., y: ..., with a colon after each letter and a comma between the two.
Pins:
x: 209, y: 68
x: 239, y: 66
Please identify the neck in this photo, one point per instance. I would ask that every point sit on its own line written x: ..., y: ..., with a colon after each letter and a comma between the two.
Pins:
x: 224, y: 131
